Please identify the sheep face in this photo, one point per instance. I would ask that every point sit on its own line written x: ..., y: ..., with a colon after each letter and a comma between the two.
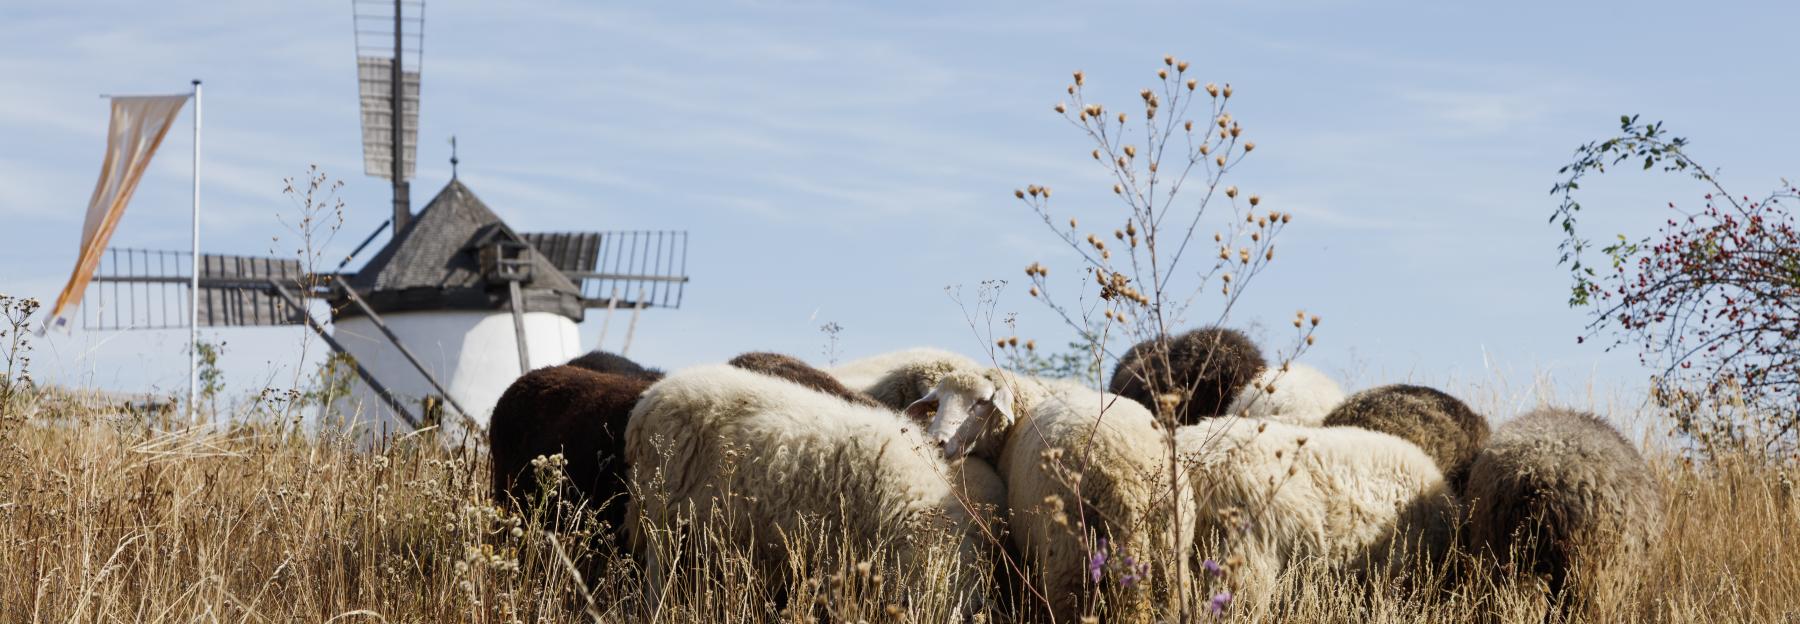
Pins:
x: 970, y: 409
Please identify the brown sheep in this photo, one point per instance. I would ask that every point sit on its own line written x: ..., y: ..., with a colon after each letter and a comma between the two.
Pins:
x: 794, y: 370
x: 608, y: 362
x: 1443, y: 426
x: 575, y: 411
x: 1560, y: 493
x: 1211, y: 362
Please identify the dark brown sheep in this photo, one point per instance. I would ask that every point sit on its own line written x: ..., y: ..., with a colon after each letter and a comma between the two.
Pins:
x: 1443, y: 426
x: 574, y: 411
x: 1560, y: 493
x: 608, y: 362
x: 1212, y: 362
x: 797, y: 371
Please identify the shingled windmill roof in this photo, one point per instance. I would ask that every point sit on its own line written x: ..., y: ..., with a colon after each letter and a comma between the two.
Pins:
x: 434, y: 263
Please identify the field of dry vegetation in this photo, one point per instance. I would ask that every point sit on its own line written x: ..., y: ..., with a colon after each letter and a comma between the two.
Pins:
x: 112, y: 517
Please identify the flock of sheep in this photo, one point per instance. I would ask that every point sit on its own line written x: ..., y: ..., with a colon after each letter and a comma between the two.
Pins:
x: 1276, y: 466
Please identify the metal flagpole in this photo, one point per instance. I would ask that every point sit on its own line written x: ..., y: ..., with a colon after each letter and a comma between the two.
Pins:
x: 194, y: 282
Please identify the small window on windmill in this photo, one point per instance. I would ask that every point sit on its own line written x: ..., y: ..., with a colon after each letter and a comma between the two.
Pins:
x: 504, y: 258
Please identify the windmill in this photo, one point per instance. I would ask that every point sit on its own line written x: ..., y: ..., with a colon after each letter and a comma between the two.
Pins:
x: 432, y: 322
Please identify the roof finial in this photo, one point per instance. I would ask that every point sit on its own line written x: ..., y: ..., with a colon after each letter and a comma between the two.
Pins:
x: 453, y: 157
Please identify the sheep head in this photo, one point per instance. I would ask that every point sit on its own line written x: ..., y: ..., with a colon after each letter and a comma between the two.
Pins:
x: 971, y: 409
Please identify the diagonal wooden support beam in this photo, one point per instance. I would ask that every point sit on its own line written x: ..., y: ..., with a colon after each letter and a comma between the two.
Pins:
x: 517, y: 299
x: 631, y: 330
x: 468, y: 419
x: 363, y: 373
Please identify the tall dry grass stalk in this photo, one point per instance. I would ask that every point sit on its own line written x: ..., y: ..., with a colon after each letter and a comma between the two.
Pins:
x: 104, y: 518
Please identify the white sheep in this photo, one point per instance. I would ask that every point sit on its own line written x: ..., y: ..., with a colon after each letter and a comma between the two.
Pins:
x: 1302, y: 396
x: 1275, y: 494
x: 1073, y: 458
x: 772, y: 456
x: 898, y: 378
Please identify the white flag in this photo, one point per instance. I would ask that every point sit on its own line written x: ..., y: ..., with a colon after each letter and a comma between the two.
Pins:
x: 138, y: 126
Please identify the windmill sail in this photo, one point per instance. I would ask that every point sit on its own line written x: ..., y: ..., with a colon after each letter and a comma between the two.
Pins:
x: 388, y: 32
x: 625, y: 269
x: 373, y: 75
x: 148, y: 289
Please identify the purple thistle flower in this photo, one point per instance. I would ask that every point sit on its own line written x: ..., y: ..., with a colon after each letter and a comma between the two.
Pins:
x: 1136, y: 571
x: 1220, y: 601
x: 1212, y: 567
x: 1097, y: 561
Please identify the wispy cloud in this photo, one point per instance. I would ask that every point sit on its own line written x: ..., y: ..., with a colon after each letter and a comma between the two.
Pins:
x: 1480, y: 112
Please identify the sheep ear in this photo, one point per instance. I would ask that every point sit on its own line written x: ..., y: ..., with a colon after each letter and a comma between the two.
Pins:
x: 920, y: 408
x: 1001, y: 402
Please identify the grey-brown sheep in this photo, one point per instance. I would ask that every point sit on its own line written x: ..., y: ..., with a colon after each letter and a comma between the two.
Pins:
x: 797, y: 371
x: 1443, y: 426
x: 1214, y: 363
x: 574, y: 411
x: 1561, y: 494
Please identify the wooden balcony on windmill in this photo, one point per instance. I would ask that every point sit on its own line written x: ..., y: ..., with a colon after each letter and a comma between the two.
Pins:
x: 504, y: 256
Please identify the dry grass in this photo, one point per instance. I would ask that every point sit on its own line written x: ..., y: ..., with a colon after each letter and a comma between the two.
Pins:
x: 105, y: 518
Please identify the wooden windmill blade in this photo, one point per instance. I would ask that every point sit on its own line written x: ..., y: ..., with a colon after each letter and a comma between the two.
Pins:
x: 571, y: 252
x: 622, y: 269
x: 389, y: 33
x: 148, y: 289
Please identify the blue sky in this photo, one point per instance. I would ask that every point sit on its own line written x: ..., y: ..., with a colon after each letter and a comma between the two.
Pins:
x: 846, y: 163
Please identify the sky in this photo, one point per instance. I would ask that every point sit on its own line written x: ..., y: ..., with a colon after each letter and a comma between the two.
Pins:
x: 854, y: 163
